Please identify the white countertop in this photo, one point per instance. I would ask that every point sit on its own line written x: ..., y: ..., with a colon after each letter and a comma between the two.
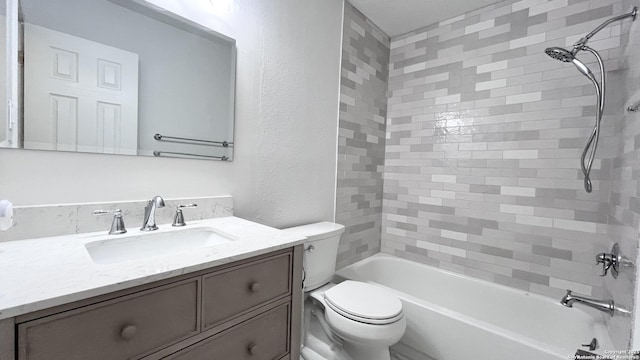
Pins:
x: 40, y: 273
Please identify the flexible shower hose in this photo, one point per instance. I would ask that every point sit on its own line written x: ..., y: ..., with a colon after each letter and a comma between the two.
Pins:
x: 595, y: 133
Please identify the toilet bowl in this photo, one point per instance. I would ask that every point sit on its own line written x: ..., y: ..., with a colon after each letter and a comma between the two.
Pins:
x: 351, y: 320
x: 368, y: 318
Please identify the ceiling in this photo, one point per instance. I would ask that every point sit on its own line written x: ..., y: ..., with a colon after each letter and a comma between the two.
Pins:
x: 397, y: 17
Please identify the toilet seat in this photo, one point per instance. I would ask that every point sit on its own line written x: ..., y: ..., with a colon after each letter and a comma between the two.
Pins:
x: 364, y: 303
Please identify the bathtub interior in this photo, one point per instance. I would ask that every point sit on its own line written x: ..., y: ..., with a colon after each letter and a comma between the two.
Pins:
x: 529, y: 318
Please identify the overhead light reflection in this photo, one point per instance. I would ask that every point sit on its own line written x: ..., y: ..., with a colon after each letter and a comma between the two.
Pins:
x: 223, y: 7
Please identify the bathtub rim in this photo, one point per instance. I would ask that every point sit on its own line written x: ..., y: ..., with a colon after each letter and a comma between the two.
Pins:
x: 341, y: 271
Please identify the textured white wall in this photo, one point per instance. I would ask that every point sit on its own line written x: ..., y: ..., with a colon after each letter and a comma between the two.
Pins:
x: 286, y: 126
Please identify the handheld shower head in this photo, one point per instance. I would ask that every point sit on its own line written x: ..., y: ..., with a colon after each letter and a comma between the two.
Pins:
x: 561, y: 54
x: 567, y: 56
x: 584, y: 69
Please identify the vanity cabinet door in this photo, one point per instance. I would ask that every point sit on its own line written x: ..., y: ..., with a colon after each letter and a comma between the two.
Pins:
x: 128, y: 327
x: 264, y: 337
x: 230, y: 292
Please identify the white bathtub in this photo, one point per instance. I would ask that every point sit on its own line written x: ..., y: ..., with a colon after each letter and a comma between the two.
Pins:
x: 455, y: 317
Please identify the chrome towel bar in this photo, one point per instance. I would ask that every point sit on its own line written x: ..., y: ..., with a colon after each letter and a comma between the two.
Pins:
x: 180, y: 155
x: 160, y: 137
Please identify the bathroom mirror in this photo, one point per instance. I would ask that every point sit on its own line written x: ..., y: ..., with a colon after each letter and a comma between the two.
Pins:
x: 123, y: 77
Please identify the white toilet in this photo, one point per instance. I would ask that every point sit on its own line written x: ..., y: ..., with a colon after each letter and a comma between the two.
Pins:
x: 359, y: 320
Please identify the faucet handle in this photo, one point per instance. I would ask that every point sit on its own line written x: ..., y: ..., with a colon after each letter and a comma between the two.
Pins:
x: 178, y: 220
x: 104, y: 212
x: 117, y: 225
x: 187, y: 206
x: 612, y: 261
x: 607, y: 262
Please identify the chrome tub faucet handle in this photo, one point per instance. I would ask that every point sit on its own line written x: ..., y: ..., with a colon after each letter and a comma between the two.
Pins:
x: 613, y: 261
x: 608, y: 261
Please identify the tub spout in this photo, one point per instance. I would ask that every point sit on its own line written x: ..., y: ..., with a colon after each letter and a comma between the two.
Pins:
x: 602, y: 305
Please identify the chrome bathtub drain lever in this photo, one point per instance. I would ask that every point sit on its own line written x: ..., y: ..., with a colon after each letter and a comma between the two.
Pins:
x: 593, y: 345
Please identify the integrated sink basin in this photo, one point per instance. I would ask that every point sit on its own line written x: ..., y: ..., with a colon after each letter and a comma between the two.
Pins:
x: 153, y: 244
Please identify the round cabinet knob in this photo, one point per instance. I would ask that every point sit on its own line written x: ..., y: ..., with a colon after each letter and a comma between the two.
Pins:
x: 255, y: 287
x: 128, y: 332
x: 253, y: 349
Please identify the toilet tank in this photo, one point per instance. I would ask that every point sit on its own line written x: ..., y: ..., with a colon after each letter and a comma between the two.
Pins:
x: 321, y: 251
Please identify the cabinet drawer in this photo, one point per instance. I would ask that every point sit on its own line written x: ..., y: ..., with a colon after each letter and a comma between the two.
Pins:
x: 123, y: 328
x: 264, y: 337
x: 235, y: 290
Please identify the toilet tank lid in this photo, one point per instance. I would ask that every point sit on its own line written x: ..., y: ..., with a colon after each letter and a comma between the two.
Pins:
x: 317, y: 231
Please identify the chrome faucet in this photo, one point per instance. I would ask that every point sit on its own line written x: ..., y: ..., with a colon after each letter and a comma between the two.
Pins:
x: 149, y: 223
x: 602, y: 305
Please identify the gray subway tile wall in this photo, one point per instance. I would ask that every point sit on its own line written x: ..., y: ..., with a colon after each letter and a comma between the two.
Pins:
x: 484, y: 135
x: 484, y: 132
x: 361, y: 136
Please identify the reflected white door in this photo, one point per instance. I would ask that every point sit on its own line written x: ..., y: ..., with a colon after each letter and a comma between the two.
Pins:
x: 79, y: 95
